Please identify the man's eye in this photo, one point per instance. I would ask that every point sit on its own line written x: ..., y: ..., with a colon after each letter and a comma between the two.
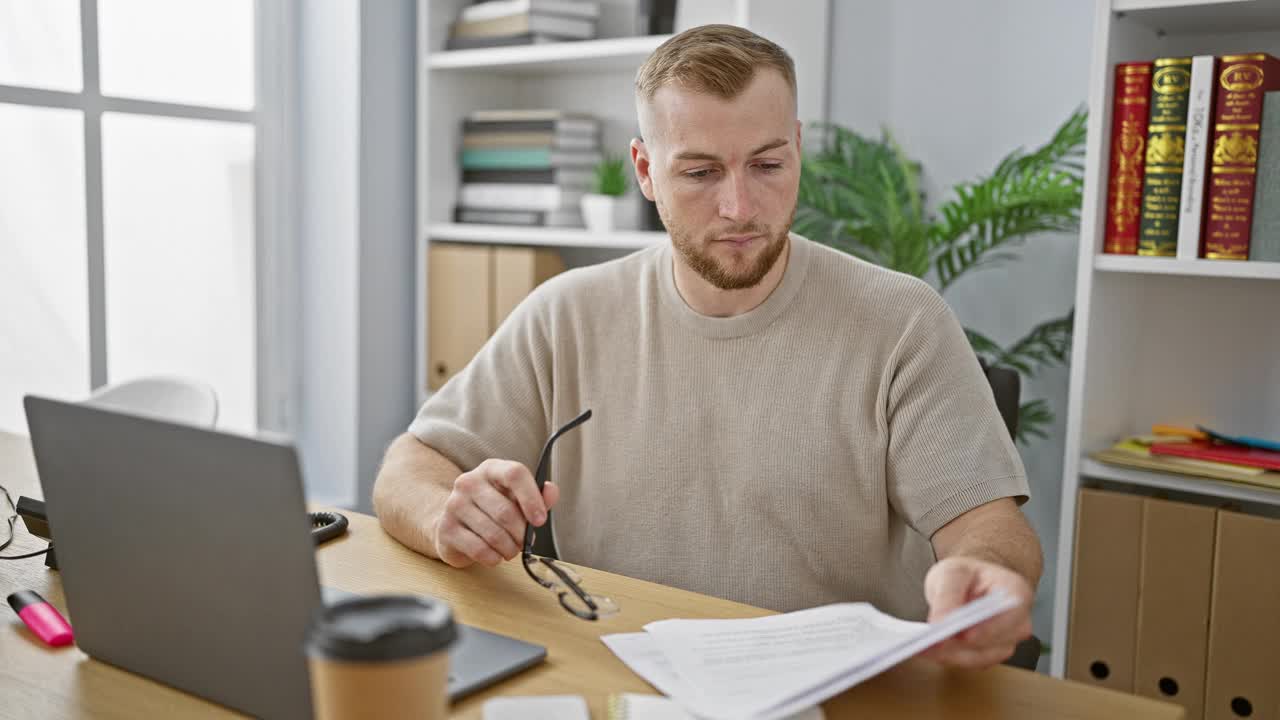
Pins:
x: 698, y: 174
x: 770, y: 167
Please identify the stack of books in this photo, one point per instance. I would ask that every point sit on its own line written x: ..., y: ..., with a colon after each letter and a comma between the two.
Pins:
x: 1201, y: 452
x: 497, y: 23
x: 1195, y: 158
x: 526, y: 167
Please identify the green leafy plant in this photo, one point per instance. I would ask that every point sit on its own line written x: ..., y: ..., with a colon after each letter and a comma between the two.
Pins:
x: 863, y: 196
x: 611, y: 176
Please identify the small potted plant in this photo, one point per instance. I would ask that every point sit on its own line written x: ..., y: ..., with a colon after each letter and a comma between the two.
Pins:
x: 608, y: 207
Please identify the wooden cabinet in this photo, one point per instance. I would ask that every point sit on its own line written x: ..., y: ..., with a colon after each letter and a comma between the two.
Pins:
x: 471, y: 289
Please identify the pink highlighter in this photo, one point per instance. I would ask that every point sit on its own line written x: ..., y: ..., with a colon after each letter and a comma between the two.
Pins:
x: 43, y: 619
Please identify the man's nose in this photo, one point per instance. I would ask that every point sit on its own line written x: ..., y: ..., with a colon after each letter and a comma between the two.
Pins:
x: 736, y: 201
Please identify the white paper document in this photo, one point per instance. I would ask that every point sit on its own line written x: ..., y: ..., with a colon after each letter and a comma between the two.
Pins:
x: 640, y: 652
x: 771, y: 667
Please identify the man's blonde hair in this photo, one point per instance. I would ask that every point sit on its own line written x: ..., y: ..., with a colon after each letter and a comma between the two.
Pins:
x: 715, y: 59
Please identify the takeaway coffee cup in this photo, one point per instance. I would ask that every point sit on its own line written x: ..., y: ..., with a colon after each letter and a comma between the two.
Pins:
x: 381, y: 657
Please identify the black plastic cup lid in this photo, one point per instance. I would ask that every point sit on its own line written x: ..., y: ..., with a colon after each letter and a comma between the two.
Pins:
x: 382, y: 627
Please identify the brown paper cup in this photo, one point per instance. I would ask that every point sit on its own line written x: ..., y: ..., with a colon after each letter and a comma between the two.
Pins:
x: 381, y: 657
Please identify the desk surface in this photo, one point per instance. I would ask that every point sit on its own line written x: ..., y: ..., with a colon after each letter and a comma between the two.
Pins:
x: 65, y: 683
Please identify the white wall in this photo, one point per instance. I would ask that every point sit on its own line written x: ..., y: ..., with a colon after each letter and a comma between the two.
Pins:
x: 328, y: 120
x: 388, y: 121
x: 356, y: 255
x: 960, y: 84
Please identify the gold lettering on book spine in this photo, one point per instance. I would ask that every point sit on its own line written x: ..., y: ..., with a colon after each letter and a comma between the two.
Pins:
x: 1128, y: 181
x: 1242, y: 77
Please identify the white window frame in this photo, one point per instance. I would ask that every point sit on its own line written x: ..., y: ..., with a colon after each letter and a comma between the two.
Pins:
x: 272, y: 117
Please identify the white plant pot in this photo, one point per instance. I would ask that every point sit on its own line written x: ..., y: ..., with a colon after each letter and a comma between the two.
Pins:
x: 607, y: 213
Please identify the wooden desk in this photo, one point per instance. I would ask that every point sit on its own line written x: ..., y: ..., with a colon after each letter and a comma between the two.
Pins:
x: 36, y: 682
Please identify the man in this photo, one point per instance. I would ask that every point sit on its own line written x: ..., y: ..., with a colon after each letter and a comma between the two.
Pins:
x: 774, y: 422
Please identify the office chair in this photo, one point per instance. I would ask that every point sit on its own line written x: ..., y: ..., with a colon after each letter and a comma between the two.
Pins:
x: 1006, y: 386
x: 166, y: 398
x: 163, y: 398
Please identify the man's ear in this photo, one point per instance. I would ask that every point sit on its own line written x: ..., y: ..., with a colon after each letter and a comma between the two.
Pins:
x: 799, y: 147
x: 640, y: 158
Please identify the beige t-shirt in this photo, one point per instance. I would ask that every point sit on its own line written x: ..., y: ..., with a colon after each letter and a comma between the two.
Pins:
x: 799, y: 454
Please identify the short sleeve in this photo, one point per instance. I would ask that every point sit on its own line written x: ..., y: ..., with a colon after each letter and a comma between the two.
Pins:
x: 498, y: 405
x: 949, y: 450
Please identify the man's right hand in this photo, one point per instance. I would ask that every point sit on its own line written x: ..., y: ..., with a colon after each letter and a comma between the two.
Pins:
x: 484, y: 519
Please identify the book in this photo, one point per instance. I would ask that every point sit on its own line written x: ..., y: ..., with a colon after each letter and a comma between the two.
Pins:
x: 506, y: 196
x: 526, y: 22
x: 1166, y: 142
x: 503, y: 8
x: 559, y: 141
x: 485, y: 41
x: 1241, y: 440
x: 526, y: 158
x: 564, y: 217
x: 564, y: 177
x: 1186, y: 466
x: 493, y: 216
x: 1196, y: 158
x: 1179, y: 431
x: 505, y: 121
x: 1264, y: 236
x: 1242, y: 82
x: 1130, y: 110
x: 1234, y: 454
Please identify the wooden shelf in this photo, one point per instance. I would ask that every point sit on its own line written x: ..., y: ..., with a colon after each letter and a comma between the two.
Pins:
x: 1177, y: 17
x: 541, y: 236
x: 1198, y: 268
x: 1184, y: 483
x: 561, y: 57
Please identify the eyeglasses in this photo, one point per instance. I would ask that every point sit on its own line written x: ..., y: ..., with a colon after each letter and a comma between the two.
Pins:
x: 562, y: 580
x: 10, y: 518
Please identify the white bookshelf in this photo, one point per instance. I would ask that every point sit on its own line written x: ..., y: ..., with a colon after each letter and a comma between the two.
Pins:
x: 604, y: 55
x: 1201, y: 17
x: 1214, y: 490
x: 543, y: 237
x: 1160, y: 339
x: 1195, y: 268
x: 592, y: 76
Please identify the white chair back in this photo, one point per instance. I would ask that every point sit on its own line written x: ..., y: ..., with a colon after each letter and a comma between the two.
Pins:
x: 165, y: 398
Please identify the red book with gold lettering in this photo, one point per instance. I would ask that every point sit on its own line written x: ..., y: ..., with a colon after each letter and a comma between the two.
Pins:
x: 1130, y: 109
x: 1242, y: 82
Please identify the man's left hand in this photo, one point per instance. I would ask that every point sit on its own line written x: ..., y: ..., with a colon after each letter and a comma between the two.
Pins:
x: 957, y: 580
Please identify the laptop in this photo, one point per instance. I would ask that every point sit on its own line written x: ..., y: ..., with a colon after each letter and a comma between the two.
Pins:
x: 186, y: 556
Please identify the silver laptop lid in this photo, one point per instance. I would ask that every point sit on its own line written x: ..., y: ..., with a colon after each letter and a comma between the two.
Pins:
x: 185, y: 553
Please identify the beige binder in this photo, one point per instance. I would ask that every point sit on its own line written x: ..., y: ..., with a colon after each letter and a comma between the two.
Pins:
x: 458, y: 307
x: 1173, y: 603
x: 1104, y: 589
x: 516, y: 272
x: 1243, y: 678
x: 470, y: 290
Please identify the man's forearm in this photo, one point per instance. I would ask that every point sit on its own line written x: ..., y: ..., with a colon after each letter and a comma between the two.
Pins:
x: 410, y: 491
x: 1001, y: 536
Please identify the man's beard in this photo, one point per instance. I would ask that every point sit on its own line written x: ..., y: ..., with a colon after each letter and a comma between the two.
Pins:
x: 696, y: 253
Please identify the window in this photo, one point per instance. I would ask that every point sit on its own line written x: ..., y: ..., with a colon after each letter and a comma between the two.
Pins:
x: 130, y: 155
